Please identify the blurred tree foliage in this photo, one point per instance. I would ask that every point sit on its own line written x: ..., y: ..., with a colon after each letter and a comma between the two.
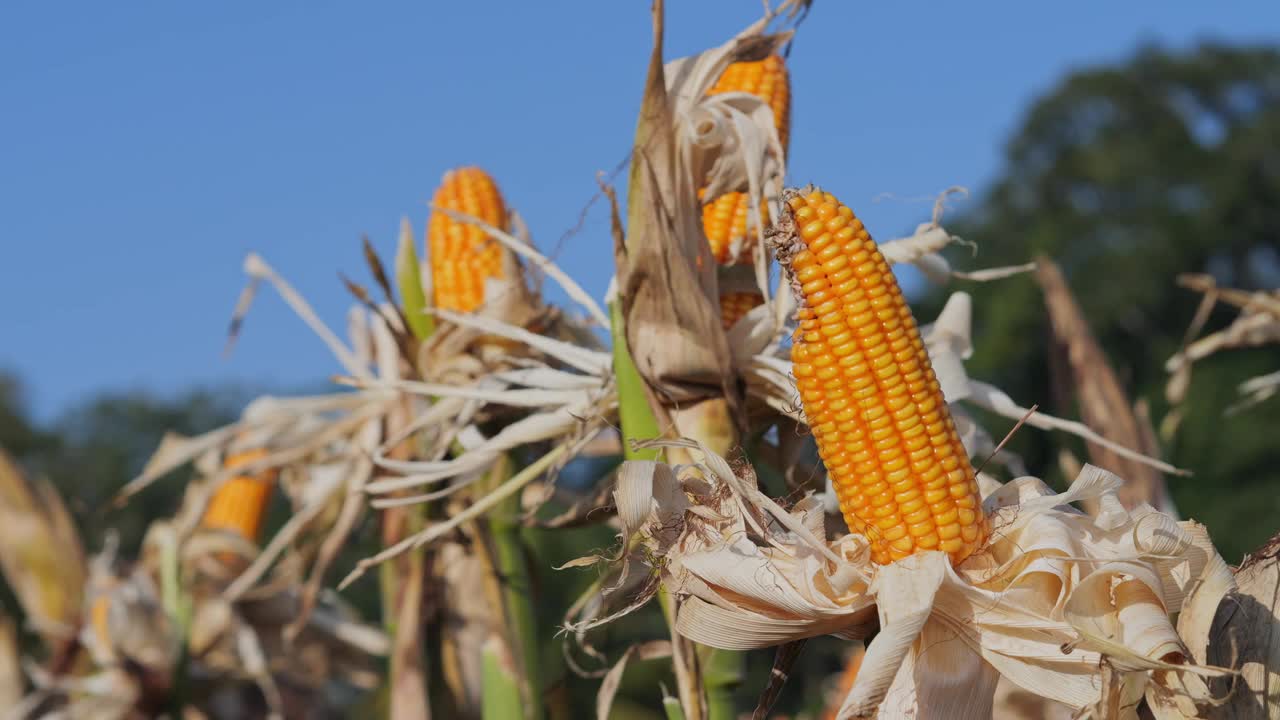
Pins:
x: 1128, y: 176
x: 93, y: 449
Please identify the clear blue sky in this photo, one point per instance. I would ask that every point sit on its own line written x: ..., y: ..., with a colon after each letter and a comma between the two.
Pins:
x: 145, y: 147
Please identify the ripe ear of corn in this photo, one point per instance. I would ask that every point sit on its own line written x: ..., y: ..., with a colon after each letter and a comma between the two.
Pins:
x: 724, y: 221
x: 725, y: 218
x: 734, y: 305
x: 869, y: 393
x: 768, y: 80
x: 239, y: 504
x: 462, y: 256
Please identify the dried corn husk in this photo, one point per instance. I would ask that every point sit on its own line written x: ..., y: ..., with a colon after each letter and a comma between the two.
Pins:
x: 1081, y: 370
x: 666, y: 278
x: 1057, y: 595
x: 1232, y: 620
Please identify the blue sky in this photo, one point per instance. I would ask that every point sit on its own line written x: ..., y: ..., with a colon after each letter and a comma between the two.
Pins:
x: 145, y: 147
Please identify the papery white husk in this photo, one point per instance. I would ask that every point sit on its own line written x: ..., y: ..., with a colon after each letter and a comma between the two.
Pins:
x: 1054, y: 596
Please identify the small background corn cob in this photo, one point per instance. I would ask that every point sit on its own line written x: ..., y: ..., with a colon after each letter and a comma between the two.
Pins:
x: 724, y: 219
x: 869, y: 393
x: 240, y: 503
x: 768, y: 80
x: 462, y: 256
x: 733, y: 305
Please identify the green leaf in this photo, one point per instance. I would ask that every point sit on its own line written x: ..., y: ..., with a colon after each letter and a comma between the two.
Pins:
x: 501, y: 700
x: 511, y: 564
x: 409, y: 278
x: 637, y: 419
x: 671, y: 704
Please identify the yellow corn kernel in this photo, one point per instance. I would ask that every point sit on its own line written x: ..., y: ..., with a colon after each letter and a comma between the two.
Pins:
x: 734, y: 305
x: 768, y: 80
x: 724, y: 221
x: 905, y: 495
x: 463, y: 256
x: 240, y: 504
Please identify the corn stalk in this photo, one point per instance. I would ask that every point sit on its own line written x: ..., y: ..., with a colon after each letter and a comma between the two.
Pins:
x: 515, y: 671
x: 667, y: 295
x: 402, y: 580
x: 639, y: 423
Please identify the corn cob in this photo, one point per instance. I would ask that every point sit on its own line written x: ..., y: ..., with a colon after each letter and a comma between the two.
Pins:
x: 734, y: 305
x: 240, y: 504
x: 724, y: 221
x: 724, y: 218
x: 767, y: 79
x: 463, y: 256
x: 869, y: 393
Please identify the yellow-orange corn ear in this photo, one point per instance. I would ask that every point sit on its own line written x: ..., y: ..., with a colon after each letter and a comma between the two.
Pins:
x: 768, y: 80
x: 870, y: 395
x: 724, y: 221
x: 463, y: 257
x: 733, y: 305
x: 240, y: 504
x: 725, y: 218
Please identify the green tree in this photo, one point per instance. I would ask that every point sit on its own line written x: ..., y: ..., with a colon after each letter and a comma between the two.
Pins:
x: 93, y: 449
x: 1127, y: 176
x: 105, y: 442
x: 18, y: 434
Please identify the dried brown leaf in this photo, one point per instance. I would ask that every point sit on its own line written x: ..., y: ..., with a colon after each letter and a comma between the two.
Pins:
x: 666, y: 273
x: 1081, y: 370
x: 1239, y: 627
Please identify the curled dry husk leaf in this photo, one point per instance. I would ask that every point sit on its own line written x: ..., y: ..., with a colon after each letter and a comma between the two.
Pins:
x: 1054, y: 598
x: 1233, y: 620
x: 1256, y: 324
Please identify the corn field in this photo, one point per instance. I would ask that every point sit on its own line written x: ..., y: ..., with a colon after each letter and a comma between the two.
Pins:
x: 749, y: 482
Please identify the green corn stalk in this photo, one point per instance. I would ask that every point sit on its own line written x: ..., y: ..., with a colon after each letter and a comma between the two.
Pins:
x: 178, y: 606
x: 639, y: 423
x: 401, y: 582
x: 515, y: 588
x: 671, y: 705
x: 635, y: 415
x: 501, y: 699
